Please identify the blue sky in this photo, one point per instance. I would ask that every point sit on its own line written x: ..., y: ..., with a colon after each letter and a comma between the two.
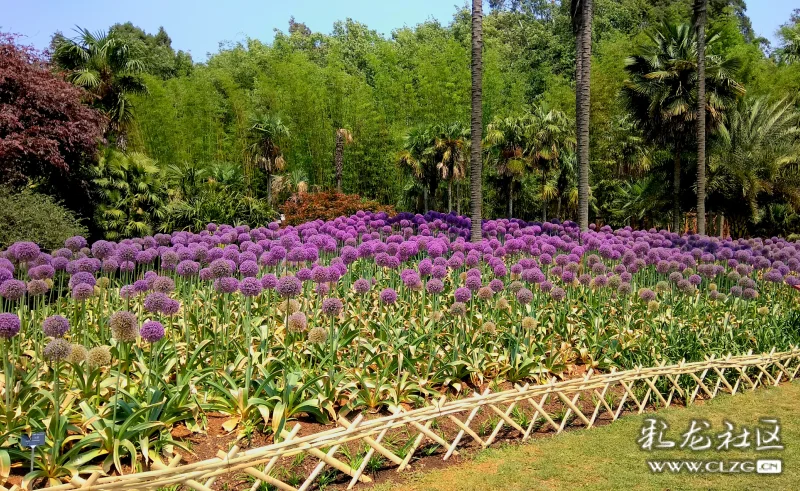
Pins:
x: 199, y: 26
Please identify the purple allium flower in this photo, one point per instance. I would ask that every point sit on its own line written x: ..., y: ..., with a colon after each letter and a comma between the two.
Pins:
x: 163, y: 284
x: 647, y: 294
x: 557, y: 293
x: 102, y: 249
x: 289, y: 286
x: 332, y: 307
x: 269, y: 281
x: 37, y: 287
x: 774, y: 276
x: 83, y: 291
x: 439, y: 272
x: 304, y: 274
x: 250, y: 287
x: 749, y: 294
x: 220, y: 268
x: 435, y: 286
x: 473, y: 283
x: 462, y: 294
x: 75, y: 243
x: 389, y: 296
x: 546, y: 286
x: 152, y: 331
x: 127, y: 292
x: 524, y: 296
x: 57, y: 350
x: 322, y: 289
x: 124, y: 326
x: 458, y: 309
x: 226, y: 284
x: 9, y: 325
x: 25, y: 251
x: 187, y: 268
x: 171, y: 307
x: 736, y: 291
x: 82, y: 277
x: 496, y: 285
x: 695, y: 279
x: 155, y: 302
x: 361, y: 286
x: 55, y: 326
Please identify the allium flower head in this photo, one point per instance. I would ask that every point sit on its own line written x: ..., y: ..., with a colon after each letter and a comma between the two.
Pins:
x: 9, y: 325
x: 489, y: 328
x: 528, y: 323
x: 289, y: 286
x: 250, y: 287
x: 361, y: 286
x: 152, y: 331
x: 163, y: 284
x: 37, y: 287
x: 462, y: 294
x: 388, y: 296
x: 317, y: 335
x: 226, y: 284
x: 557, y: 293
x: 647, y: 294
x: 83, y: 291
x: 124, y: 326
x: 13, y: 290
x: 434, y: 286
x: 99, y: 356
x: 78, y: 354
x: 524, y: 296
x: 55, y: 326
x: 171, y: 307
x: 57, y: 349
x: 25, y: 251
x: 332, y: 307
x: 269, y: 281
x: 297, y: 322
x: 485, y: 293
x: 458, y: 309
x: 155, y: 302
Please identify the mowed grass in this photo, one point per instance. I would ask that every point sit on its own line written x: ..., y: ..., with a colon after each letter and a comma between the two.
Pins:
x: 609, y: 458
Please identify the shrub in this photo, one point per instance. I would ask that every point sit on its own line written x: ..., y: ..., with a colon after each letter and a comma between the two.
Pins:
x: 219, y: 206
x: 303, y: 207
x: 30, y: 216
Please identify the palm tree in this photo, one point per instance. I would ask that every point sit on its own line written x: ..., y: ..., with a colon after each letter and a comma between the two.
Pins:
x: 133, y: 194
x: 758, y: 158
x: 343, y: 137
x: 450, y: 144
x: 266, y: 131
x: 550, y: 138
x: 661, y: 92
x: 508, y: 140
x: 108, y: 69
x: 476, y: 122
x: 293, y: 182
x: 700, y: 33
x: 418, y: 157
x: 581, y: 13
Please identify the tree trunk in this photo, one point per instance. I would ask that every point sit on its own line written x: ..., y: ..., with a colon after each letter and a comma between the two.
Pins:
x: 584, y: 48
x: 449, y: 195
x: 544, y: 200
x: 269, y: 189
x: 511, y: 199
x: 458, y: 199
x: 338, y: 159
x: 676, y: 192
x: 721, y: 226
x: 476, y: 124
x: 425, y: 199
x: 558, y: 208
x: 700, y: 27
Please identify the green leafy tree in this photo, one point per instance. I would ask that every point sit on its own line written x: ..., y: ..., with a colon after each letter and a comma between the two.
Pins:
x: 757, y: 159
x: 133, y: 195
x: 451, y: 144
x: 509, y: 145
x: 266, y: 132
x: 661, y: 92
x: 418, y: 158
x: 109, y: 69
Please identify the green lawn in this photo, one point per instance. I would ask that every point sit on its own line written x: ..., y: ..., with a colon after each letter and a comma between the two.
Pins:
x: 609, y: 457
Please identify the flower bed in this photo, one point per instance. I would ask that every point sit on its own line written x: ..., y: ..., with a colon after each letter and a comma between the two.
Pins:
x: 110, y: 347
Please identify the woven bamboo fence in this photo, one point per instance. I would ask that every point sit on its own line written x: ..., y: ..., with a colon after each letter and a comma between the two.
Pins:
x: 580, y: 402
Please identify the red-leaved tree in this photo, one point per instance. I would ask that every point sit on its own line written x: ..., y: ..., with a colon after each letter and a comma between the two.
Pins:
x: 46, y: 133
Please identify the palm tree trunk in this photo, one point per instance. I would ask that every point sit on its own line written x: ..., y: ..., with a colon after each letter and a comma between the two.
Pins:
x: 558, y: 207
x: 476, y: 123
x: 676, y: 192
x: 458, y: 199
x: 584, y: 48
x: 544, y: 199
x: 269, y: 189
x: 511, y: 199
x: 721, y: 226
x: 425, y: 198
x: 700, y: 14
x: 338, y: 159
x: 449, y: 195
